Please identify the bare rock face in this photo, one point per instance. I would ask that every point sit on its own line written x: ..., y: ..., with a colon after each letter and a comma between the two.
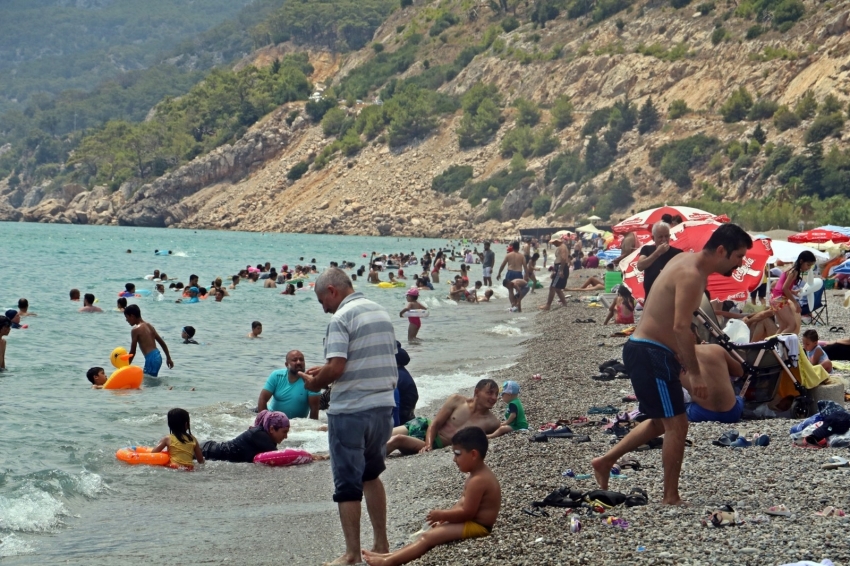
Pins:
x: 9, y: 214
x: 836, y: 26
x: 518, y: 200
x: 157, y: 204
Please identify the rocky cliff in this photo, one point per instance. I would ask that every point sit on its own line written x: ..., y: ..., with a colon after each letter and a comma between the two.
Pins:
x: 383, y: 191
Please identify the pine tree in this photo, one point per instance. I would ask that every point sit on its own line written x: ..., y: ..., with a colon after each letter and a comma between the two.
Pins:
x: 759, y: 135
x: 648, y: 117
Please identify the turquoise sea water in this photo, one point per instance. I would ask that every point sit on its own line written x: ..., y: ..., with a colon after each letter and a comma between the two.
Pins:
x: 58, y: 437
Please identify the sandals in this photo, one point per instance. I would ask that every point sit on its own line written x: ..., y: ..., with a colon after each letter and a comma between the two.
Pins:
x: 651, y: 445
x: 535, y: 512
x: 626, y: 463
x: 727, y: 438
x: 779, y: 511
x: 562, y: 432
x: 637, y: 496
x: 836, y: 329
x: 830, y: 512
x: 834, y: 463
x: 607, y: 410
x: 724, y: 517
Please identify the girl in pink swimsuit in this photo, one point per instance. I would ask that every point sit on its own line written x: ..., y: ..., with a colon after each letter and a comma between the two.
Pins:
x: 414, y: 322
x: 782, y: 299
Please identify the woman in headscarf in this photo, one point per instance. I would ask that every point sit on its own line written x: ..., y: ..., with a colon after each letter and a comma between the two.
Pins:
x: 270, y: 429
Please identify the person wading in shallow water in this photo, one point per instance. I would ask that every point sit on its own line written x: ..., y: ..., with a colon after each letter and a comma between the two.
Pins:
x: 662, y: 346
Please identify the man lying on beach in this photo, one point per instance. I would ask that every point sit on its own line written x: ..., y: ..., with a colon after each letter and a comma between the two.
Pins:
x: 471, y: 517
x: 421, y: 435
x: 663, y: 346
x: 719, y: 403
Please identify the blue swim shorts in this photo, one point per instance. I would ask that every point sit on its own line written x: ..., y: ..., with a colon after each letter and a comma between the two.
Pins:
x: 697, y: 414
x: 153, y: 362
x: 654, y: 372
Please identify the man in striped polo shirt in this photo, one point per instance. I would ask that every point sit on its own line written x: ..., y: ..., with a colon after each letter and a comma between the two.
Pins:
x: 360, y: 350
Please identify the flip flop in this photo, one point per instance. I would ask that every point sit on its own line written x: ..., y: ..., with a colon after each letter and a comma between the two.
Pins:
x: 741, y: 442
x: 637, y: 496
x: 629, y: 463
x: 581, y: 439
x: 727, y: 438
x: 761, y: 440
x: 652, y: 444
x: 601, y: 377
x: 834, y: 463
x: 608, y: 364
x: 536, y: 512
x: 779, y: 511
x: 724, y: 517
x: 607, y: 410
x: 830, y: 512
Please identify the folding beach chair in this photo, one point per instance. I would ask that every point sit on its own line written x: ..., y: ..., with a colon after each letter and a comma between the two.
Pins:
x: 819, y: 314
x: 763, y: 363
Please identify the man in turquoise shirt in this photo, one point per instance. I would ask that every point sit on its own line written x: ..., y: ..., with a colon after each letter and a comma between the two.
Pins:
x: 284, y: 391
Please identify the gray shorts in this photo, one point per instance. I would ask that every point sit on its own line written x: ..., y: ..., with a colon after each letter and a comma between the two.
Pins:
x: 358, y: 447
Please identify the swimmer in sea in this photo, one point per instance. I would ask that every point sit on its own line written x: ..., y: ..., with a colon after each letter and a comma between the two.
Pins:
x: 146, y: 336
x: 517, y: 265
x: 88, y: 304
x: 97, y: 377
x: 5, y: 329
x: 75, y: 294
x: 414, y: 322
x: 23, y: 308
x: 122, y: 304
x: 256, y: 329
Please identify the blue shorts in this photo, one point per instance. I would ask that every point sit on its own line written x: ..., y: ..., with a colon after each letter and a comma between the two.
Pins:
x: 697, y: 414
x: 654, y: 372
x: 358, y: 447
x: 153, y: 361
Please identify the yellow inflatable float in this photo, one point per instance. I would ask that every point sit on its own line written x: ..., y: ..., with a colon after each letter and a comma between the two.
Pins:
x: 134, y: 455
x: 388, y: 285
x: 125, y: 376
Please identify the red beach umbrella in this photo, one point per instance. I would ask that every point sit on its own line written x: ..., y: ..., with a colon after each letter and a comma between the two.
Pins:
x: 819, y: 236
x: 644, y: 220
x: 691, y: 237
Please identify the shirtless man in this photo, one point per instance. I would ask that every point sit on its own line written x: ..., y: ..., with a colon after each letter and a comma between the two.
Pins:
x: 458, y: 412
x: 146, y: 336
x: 719, y: 403
x: 88, y: 304
x: 559, y: 275
x: 373, y: 275
x: 516, y: 270
x: 662, y: 346
x: 627, y: 246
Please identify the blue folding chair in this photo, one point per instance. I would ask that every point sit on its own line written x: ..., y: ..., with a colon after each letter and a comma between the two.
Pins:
x: 819, y: 312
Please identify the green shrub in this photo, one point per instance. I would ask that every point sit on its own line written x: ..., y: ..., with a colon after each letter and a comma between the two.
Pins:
x: 562, y: 112
x: 543, y: 11
x: 755, y: 31
x: 780, y: 155
x: 678, y: 51
x: 509, y: 24
x: 317, y: 109
x: 705, y: 8
x: 481, y: 115
x: 676, y: 159
x: 519, y: 140
x: 452, y: 179
x: 719, y: 35
x: 824, y: 126
x: 616, y: 194
x: 443, y: 22
x: 762, y: 109
x: 297, y: 171
x: 677, y: 109
x: 679, y: 3
x: 406, y: 3
x: 754, y: 148
x: 830, y: 105
x: 734, y: 150
x: 785, y: 119
x: 788, y: 11
x: 806, y: 106
x: 597, y: 120
x: 503, y: 181
x: 540, y: 205
x: 545, y: 142
x: 606, y: 8
x: 759, y: 134
x: 412, y: 114
x: 736, y: 107
x: 527, y: 112
x: 334, y: 121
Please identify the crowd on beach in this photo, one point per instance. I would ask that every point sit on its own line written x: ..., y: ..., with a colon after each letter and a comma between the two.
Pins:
x: 370, y: 398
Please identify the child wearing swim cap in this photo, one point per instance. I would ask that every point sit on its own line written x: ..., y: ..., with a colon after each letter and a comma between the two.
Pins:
x: 414, y: 322
x: 514, y: 412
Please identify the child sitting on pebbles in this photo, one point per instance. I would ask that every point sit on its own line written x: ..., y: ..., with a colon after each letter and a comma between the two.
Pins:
x: 514, y: 413
x: 472, y: 517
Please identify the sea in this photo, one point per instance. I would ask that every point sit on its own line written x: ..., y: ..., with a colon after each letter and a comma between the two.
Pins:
x: 59, y: 476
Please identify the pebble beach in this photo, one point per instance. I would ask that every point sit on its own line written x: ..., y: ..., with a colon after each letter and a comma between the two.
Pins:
x: 751, y: 480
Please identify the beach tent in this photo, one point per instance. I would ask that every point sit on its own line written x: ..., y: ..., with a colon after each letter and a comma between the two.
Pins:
x: 644, y: 220
x: 561, y: 234
x: 594, y: 218
x: 691, y: 237
x: 819, y: 236
x: 590, y: 229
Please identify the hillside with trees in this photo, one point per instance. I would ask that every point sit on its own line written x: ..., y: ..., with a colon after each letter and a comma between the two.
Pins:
x: 490, y: 116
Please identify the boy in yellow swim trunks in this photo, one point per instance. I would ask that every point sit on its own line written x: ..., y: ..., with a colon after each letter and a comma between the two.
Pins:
x: 472, y: 517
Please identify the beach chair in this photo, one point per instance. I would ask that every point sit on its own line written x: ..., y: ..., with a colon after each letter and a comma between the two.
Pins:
x: 819, y: 312
x: 768, y: 375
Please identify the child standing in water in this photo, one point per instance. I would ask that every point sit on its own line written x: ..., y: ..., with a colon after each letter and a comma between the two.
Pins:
x: 146, y: 336
x: 183, y: 449
x: 414, y: 322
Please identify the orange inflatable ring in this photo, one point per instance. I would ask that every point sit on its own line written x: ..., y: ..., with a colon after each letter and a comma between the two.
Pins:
x: 128, y: 377
x: 134, y: 455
